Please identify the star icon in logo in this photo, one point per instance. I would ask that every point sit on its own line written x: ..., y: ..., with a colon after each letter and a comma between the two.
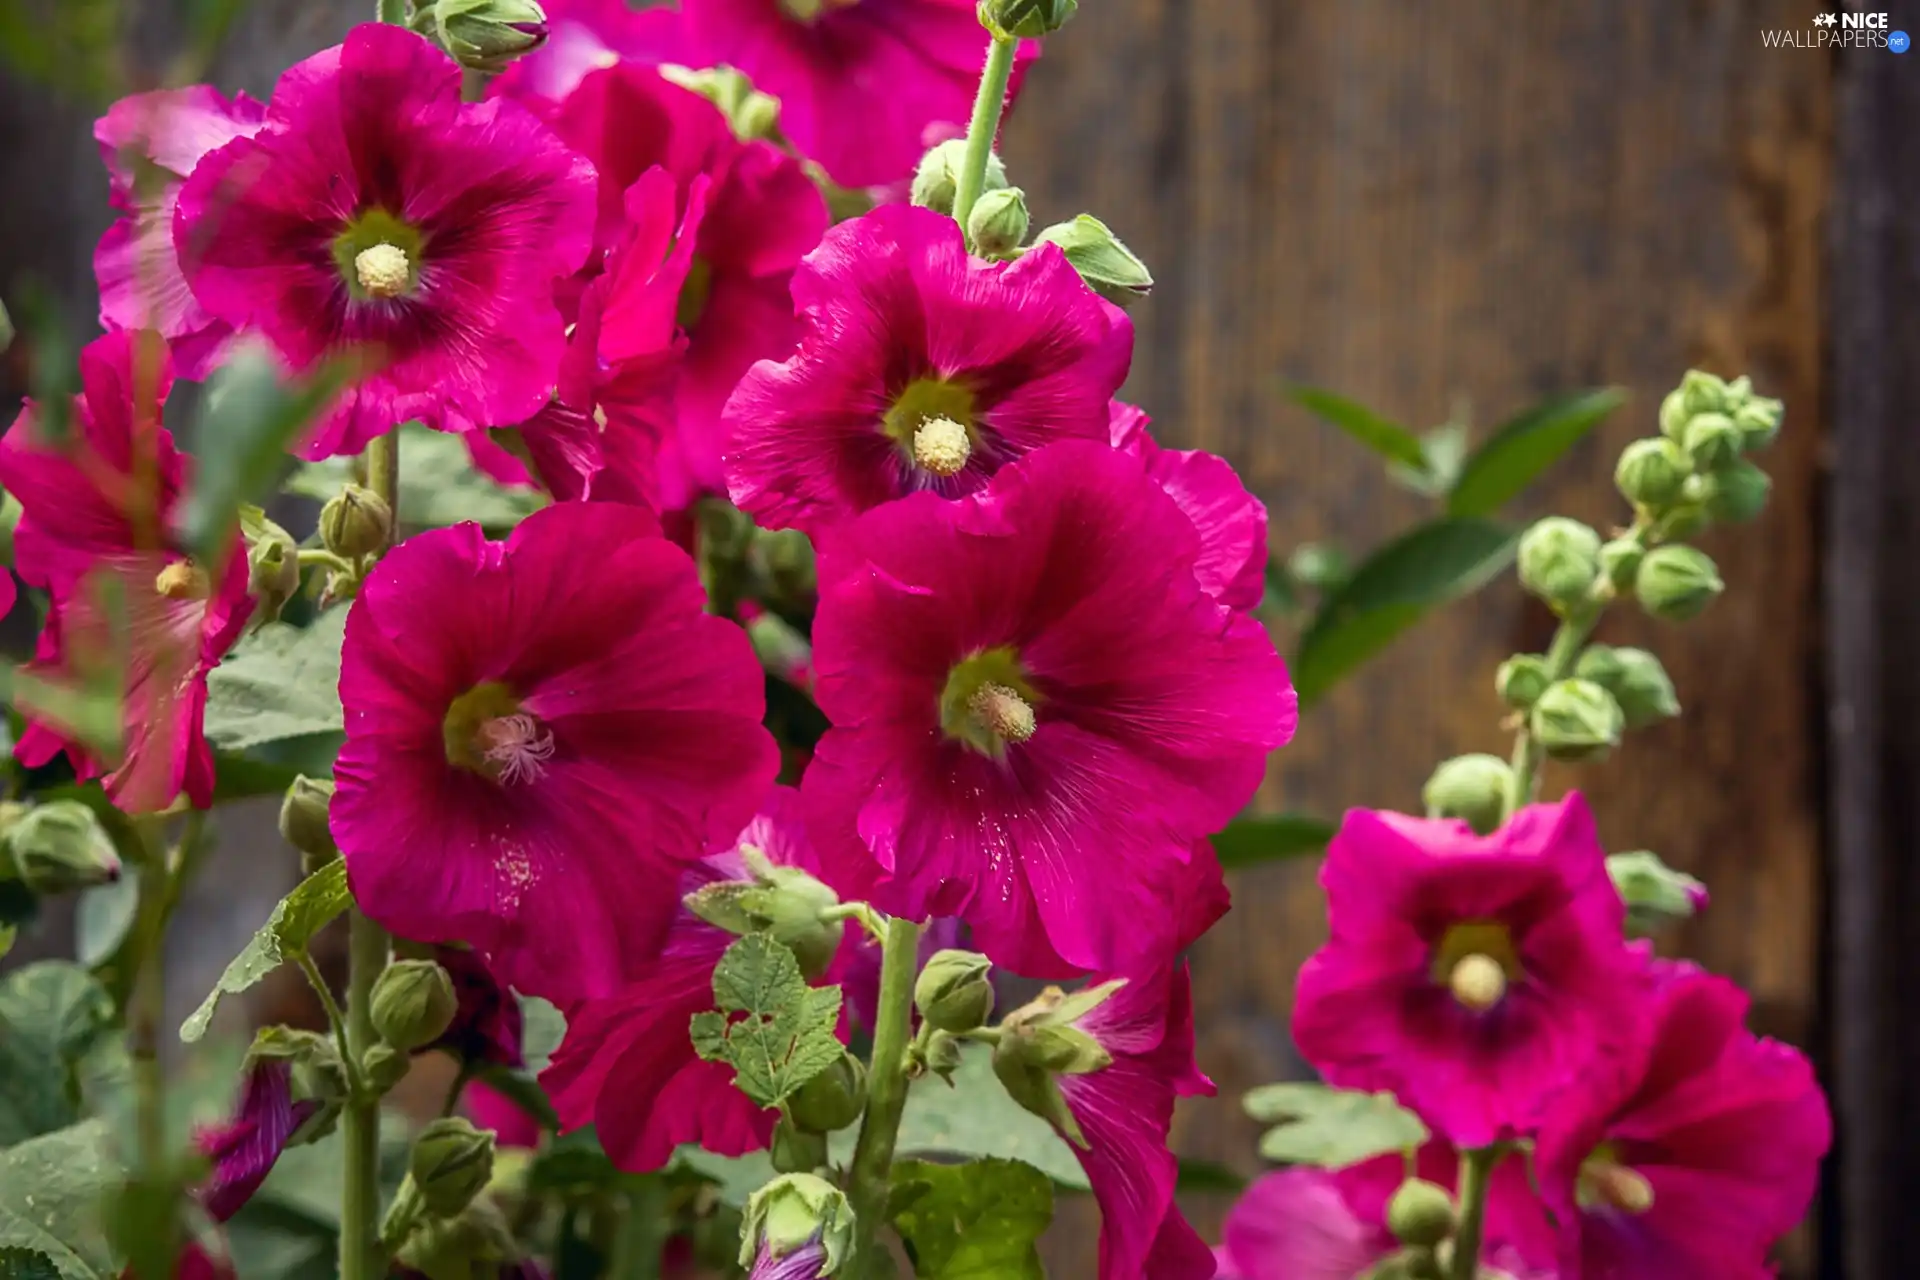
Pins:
x: 1825, y: 20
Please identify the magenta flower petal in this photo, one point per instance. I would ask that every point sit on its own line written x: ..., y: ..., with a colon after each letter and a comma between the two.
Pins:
x: 1298, y: 1224
x: 245, y: 1149
x: 488, y: 1025
x: 541, y: 734
x: 490, y: 1109
x: 899, y: 326
x: 1409, y: 900
x: 584, y: 36
x: 1232, y: 523
x: 1150, y: 709
x: 477, y: 209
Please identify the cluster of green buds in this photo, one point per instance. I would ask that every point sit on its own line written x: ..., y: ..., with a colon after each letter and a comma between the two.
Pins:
x: 794, y: 909
x: 753, y: 115
x: 356, y: 524
x: 54, y: 848
x: 482, y: 35
x: 1039, y: 1042
x: 440, y: 1223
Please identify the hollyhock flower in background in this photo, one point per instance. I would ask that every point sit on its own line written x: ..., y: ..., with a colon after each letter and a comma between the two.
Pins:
x: 920, y: 368
x: 150, y: 143
x: 488, y: 1108
x: 584, y: 36
x: 487, y: 1027
x: 1473, y: 976
x: 97, y: 509
x: 541, y: 734
x: 1036, y: 712
x: 628, y: 1066
x: 1232, y: 523
x: 1693, y: 1157
x: 244, y: 1149
x: 376, y: 210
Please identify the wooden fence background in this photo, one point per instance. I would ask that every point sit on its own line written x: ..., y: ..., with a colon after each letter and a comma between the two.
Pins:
x: 1415, y: 204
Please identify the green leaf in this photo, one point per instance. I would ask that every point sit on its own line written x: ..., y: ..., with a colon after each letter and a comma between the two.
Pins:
x: 26, y: 1264
x: 1395, y: 588
x: 1208, y: 1176
x: 101, y: 917
x: 974, y: 1118
x: 251, y: 415
x: 1332, y: 1128
x: 542, y: 1028
x: 1248, y: 842
x: 51, y: 1190
x: 438, y: 484
x: 1388, y: 439
x: 60, y: 1049
x: 1525, y: 446
x: 787, y: 1036
x: 735, y: 1178
x: 282, y: 683
x: 976, y: 1221
x: 572, y: 1163
x: 313, y: 903
x: 269, y: 768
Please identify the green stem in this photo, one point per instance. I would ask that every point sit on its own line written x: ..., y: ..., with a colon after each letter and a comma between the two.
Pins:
x: 394, y: 11
x: 360, y: 1253
x: 1476, y: 1170
x: 637, y: 1237
x: 872, y: 1164
x: 983, y: 128
x: 310, y: 556
x: 1568, y: 641
x: 335, y: 1019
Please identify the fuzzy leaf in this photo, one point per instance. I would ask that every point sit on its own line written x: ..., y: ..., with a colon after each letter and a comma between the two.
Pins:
x: 438, y: 484
x: 51, y: 1189
x: 1526, y: 445
x: 101, y: 917
x: 1248, y: 842
x: 1331, y: 1128
x: 26, y: 1264
x: 313, y: 903
x: 542, y: 1028
x: 60, y: 1049
x: 786, y: 1037
x: 1398, y: 584
x: 976, y: 1221
x: 1388, y: 439
x: 279, y: 684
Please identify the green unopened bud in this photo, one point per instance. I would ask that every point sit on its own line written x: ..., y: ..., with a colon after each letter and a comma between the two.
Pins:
x: 998, y: 223
x: 1701, y: 392
x: 1577, y: 720
x: 1472, y: 788
x: 1712, y: 441
x: 469, y: 1244
x: 1682, y: 522
x: 486, y: 35
x: 1559, y: 561
x: 953, y: 992
x: 1636, y: 680
x: 1738, y: 494
x: 1036, y: 1090
x: 794, y: 1211
x: 755, y: 116
x: 833, y: 1099
x: 355, y: 522
x: 796, y: 1150
x: 413, y: 1003
x: 785, y: 559
x: 1651, y: 472
x: 1759, y: 422
x: 60, y: 847
x: 384, y: 1067
x: 783, y: 901
x: 1655, y: 893
x: 1620, y: 561
x: 1521, y: 680
x: 1673, y: 414
x: 450, y: 1163
x: 1026, y: 19
x: 304, y: 821
x: 1676, y: 583
x: 936, y: 183
x: 943, y: 1056
x: 273, y: 574
x: 1108, y: 266
x: 1420, y: 1213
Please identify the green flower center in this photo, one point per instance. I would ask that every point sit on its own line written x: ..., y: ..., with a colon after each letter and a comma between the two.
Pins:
x: 989, y: 703
x: 933, y: 422
x: 487, y: 731
x: 378, y: 256
x: 1477, y: 961
x: 694, y: 293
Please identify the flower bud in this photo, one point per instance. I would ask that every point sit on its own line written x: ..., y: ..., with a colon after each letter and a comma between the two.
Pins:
x: 1712, y: 441
x: 796, y: 1150
x: 831, y: 1100
x: 953, y: 992
x: 1521, y: 680
x: 1682, y: 521
x: 1759, y: 422
x: 1676, y: 583
x: 273, y: 574
x: 998, y: 223
x: 1108, y: 266
x: 1420, y: 1214
x: 943, y: 1056
x: 60, y: 847
x: 451, y: 1162
x: 1651, y: 472
x: 1472, y: 788
x: 1636, y: 680
x: 1559, y: 561
x: 1036, y: 1090
x: 1620, y: 561
x: 486, y: 35
x: 413, y: 1003
x: 1673, y: 414
x: 304, y: 820
x: 472, y: 1242
x: 784, y: 901
x: 1738, y: 494
x: 355, y: 522
x: 794, y: 1212
x: 936, y: 183
x: 1655, y: 893
x: 755, y: 116
x: 1702, y: 392
x: 1026, y: 19
x: 383, y: 1067
x: 1577, y: 720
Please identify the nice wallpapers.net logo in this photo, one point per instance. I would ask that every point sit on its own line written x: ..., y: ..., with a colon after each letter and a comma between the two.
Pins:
x: 1840, y: 31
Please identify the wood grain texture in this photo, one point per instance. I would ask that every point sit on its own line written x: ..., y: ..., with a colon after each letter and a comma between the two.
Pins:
x: 1412, y: 204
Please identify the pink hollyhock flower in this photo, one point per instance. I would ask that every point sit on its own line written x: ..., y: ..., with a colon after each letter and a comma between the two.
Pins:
x: 584, y: 36
x: 151, y: 143
x: 488, y: 1025
x: 1232, y: 523
x: 1036, y: 711
x: 628, y: 1066
x: 920, y: 368
x: 488, y: 1108
x: 1693, y: 1156
x: 861, y: 83
x: 1473, y: 976
x: 98, y: 507
x: 378, y: 211
x: 244, y: 1149
x: 541, y: 734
